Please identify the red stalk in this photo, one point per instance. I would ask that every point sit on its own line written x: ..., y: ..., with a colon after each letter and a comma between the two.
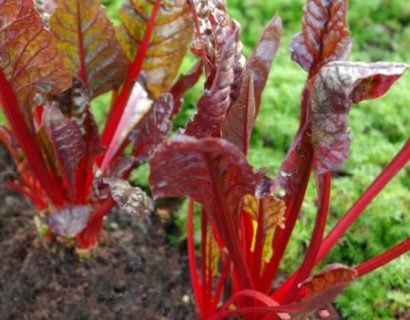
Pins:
x: 117, y: 110
x: 221, y: 284
x: 28, y: 142
x: 227, y: 227
x: 388, y: 173
x: 383, y: 258
x: 395, y: 165
x: 88, y: 237
x: 282, y: 236
x: 192, y: 257
x: 323, y: 182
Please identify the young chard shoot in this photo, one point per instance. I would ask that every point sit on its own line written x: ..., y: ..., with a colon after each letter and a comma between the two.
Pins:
x: 245, y: 225
x: 56, y: 56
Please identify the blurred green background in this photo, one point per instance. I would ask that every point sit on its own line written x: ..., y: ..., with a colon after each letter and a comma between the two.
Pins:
x: 381, y: 31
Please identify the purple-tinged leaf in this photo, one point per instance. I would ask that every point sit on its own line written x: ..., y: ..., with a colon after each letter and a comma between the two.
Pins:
x: 325, y: 36
x: 261, y: 59
x: 241, y: 115
x: 323, y: 288
x: 214, y: 173
x: 214, y: 103
x: 337, y: 86
x: 240, y: 118
x: 154, y: 127
x: 87, y: 39
x: 67, y: 141
x: 132, y: 200
x: 120, y: 166
x: 69, y: 221
x: 184, y: 83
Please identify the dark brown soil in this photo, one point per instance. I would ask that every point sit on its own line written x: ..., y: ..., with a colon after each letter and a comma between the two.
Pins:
x: 133, y: 274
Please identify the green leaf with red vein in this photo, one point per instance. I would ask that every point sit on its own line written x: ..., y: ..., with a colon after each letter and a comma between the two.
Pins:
x: 29, y: 57
x: 325, y: 36
x: 214, y: 103
x: 87, y: 39
x: 323, y: 288
x: 67, y: 142
x: 214, y: 173
x: 169, y: 42
x: 241, y: 115
x: 337, y: 86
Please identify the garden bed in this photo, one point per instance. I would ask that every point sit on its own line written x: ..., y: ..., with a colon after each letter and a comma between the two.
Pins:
x: 134, y: 273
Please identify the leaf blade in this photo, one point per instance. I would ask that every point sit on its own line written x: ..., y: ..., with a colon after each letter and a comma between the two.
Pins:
x: 87, y: 38
x: 172, y: 33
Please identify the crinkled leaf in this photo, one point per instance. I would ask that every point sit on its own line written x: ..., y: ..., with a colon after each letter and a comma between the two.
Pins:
x: 132, y: 200
x: 337, y: 86
x: 214, y: 103
x: 325, y: 36
x: 29, y: 58
x: 67, y: 141
x: 154, y: 128
x: 87, y: 39
x: 323, y: 288
x: 184, y: 83
x: 168, y: 44
x: 69, y: 221
x: 214, y: 173
x: 213, y: 27
x: 241, y: 116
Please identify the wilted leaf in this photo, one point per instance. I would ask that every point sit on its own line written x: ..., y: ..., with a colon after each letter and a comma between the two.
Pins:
x: 29, y: 58
x: 214, y: 103
x: 87, y: 39
x: 132, y: 200
x: 325, y: 36
x: 69, y: 221
x: 168, y: 44
x: 214, y: 173
x: 120, y: 166
x: 154, y: 127
x: 67, y: 141
x: 337, y: 86
x: 323, y: 288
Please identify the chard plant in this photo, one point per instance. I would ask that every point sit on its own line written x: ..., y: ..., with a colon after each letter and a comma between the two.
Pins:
x: 56, y: 56
x: 246, y: 217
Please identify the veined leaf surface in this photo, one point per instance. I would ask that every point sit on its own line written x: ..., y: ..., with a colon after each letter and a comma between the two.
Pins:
x: 29, y: 58
x: 87, y: 39
x: 168, y: 44
x: 325, y: 36
x: 216, y: 174
x: 337, y: 86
